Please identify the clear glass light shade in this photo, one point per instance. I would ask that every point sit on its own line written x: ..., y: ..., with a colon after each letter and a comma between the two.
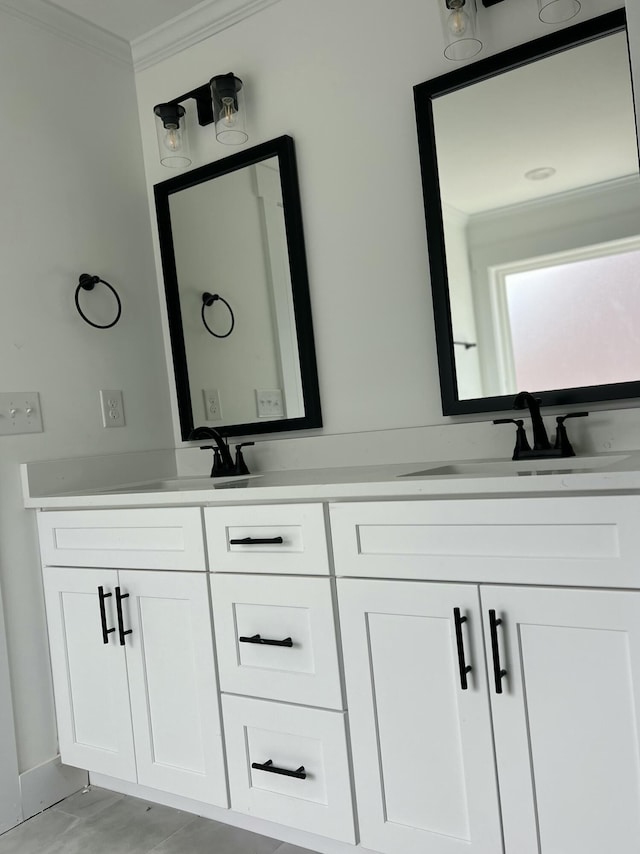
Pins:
x: 229, y: 115
x: 557, y: 11
x: 459, y: 28
x: 173, y: 143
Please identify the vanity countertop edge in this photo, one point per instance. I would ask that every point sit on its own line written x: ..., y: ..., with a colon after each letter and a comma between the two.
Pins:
x: 393, y: 481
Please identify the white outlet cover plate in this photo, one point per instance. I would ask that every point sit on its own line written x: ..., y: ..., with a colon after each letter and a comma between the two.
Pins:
x: 212, y: 408
x: 20, y: 412
x: 112, y: 407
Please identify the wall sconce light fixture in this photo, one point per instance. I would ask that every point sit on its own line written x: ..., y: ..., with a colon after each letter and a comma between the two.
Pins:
x: 221, y: 100
x: 459, y: 25
x: 459, y: 22
x: 229, y: 116
x: 173, y: 143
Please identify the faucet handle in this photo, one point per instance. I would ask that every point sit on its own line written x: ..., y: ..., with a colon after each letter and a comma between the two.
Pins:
x: 241, y: 466
x: 522, y: 443
x: 562, y: 442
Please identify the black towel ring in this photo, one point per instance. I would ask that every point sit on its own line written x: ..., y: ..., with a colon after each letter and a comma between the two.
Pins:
x: 87, y: 283
x: 208, y: 300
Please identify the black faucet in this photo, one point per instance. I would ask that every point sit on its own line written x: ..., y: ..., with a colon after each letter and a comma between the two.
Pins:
x: 542, y: 448
x: 540, y: 439
x: 222, y: 460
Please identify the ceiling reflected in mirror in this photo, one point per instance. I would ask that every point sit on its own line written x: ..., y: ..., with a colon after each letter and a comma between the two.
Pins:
x: 532, y: 201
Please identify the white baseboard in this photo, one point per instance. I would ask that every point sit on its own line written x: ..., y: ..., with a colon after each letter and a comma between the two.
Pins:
x: 43, y: 786
x: 309, y: 841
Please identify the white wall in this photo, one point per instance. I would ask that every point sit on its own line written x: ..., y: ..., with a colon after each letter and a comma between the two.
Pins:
x: 338, y: 77
x: 73, y: 201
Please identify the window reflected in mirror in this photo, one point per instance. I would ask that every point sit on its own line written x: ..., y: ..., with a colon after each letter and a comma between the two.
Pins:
x: 535, y: 245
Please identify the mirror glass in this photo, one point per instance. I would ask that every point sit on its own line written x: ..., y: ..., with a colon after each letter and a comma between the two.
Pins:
x: 532, y: 202
x: 237, y: 294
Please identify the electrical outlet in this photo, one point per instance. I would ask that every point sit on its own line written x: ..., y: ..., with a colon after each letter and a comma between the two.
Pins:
x: 212, y: 410
x: 112, y: 408
x: 269, y: 403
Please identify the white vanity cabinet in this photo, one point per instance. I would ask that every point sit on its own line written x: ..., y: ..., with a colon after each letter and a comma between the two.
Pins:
x: 132, y: 659
x: 479, y: 690
x: 282, y: 699
x: 560, y: 668
x: 422, y: 746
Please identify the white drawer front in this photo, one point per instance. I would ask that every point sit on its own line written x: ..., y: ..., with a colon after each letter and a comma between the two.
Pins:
x: 309, y: 742
x: 295, y: 610
x: 283, y: 539
x: 578, y: 540
x: 158, y: 538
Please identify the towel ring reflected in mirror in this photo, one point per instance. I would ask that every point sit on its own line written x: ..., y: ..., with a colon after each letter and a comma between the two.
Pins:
x: 207, y: 301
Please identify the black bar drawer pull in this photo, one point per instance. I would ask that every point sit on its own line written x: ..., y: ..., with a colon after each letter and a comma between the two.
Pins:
x: 257, y: 541
x: 103, y: 615
x: 462, y: 664
x: 121, y: 631
x: 299, y: 773
x: 266, y: 641
x: 498, y: 672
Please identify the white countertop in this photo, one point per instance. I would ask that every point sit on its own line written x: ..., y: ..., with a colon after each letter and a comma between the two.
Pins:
x: 606, y: 473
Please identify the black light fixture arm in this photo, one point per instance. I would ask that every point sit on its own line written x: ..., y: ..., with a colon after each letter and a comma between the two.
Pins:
x: 203, y: 96
x: 88, y: 283
x: 204, y: 105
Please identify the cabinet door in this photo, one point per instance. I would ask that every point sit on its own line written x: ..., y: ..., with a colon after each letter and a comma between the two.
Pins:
x: 422, y: 748
x: 89, y: 676
x: 173, y: 684
x: 566, y: 726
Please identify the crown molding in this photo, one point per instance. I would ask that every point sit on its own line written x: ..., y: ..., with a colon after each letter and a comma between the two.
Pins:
x: 69, y: 27
x: 196, y: 25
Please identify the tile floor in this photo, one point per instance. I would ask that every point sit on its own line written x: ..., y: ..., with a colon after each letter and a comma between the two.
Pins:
x: 96, y: 821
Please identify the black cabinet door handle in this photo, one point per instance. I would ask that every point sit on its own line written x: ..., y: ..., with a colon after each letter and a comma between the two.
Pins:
x: 266, y: 641
x: 121, y: 630
x: 257, y: 541
x: 299, y: 773
x: 498, y: 672
x: 103, y: 615
x: 462, y: 664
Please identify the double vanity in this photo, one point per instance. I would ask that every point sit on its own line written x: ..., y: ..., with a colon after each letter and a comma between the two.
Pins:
x: 407, y: 659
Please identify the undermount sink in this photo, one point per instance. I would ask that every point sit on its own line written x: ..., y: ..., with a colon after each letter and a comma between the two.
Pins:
x: 519, y: 468
x: 179, y: 484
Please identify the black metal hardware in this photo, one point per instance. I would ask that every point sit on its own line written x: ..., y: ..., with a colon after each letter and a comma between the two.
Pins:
x: 121, y: 630
x: 88, y: 283
x: 562, y: 442
x: 222, y: 461
x: 498, y: 672
x: 209, y: 299
x: 257, y: 541
x: 525, y: 399
x: 542, y: 449
x: 241, y: 466
x: 299, y: 773
x: 266, y: 641
x: 468, y: 345
x: 522, y: 443
x: 462, y: 664
x: 103, y: 615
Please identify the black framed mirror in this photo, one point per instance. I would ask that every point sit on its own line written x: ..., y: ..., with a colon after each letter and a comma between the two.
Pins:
x: 531, y: 187
x: 236, y: 285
